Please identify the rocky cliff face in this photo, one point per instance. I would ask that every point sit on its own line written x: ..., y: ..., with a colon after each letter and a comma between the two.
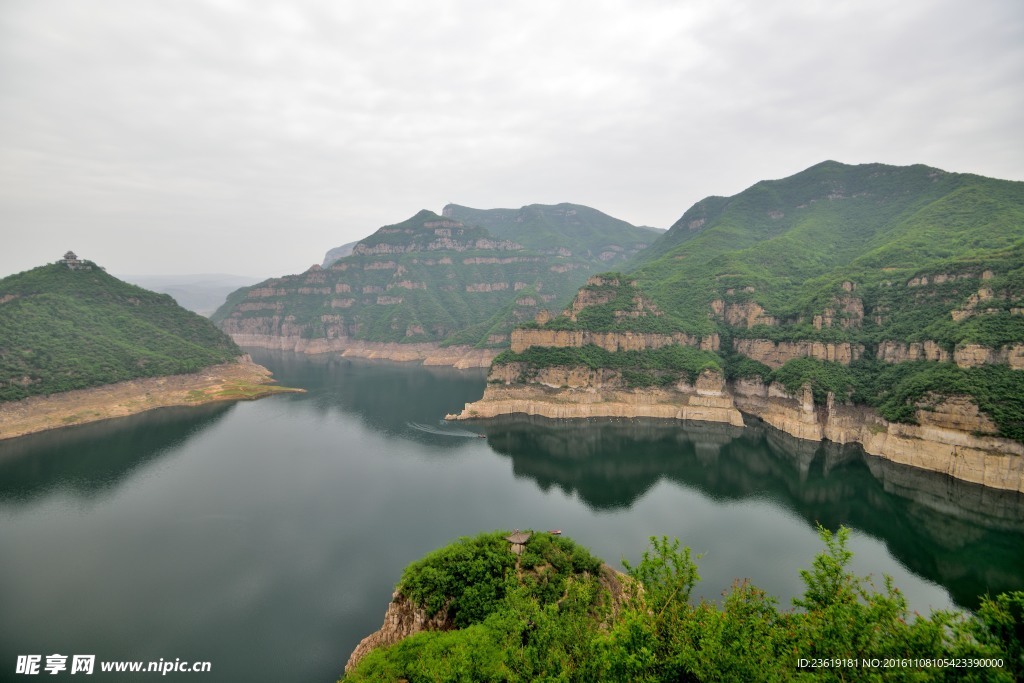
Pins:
x: 580, y: 392
x: 974, y: 355
x: 401, y: 620
x: 522, y: 339
x: 951, y: 437
x: 898, y: 352
x: 776, y: 354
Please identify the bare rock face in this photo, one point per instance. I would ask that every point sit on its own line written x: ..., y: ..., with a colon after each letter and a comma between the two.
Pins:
x: 975, y: 355
x: 776, y: 354
x: 745, y: 314
x: 847, y: 311
x: 580, y: 392
x: 401, y: 620
x: 523, y: 339
x: 955, y: 412
x: 952, y: 436
x: 898, y: 352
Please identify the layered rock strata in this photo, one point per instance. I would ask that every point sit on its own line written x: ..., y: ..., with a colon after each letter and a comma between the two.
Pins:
x: 951, y: 437
x: 610, y: 341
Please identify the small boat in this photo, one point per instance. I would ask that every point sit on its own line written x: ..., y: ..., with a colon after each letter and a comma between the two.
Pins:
x: 555, y: 532
x: 481, y: 436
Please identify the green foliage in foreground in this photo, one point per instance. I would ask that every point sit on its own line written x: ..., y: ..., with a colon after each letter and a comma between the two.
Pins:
x: 655, y: 367
x: 64, y: 329
x: 471, y: 577
x: 656, y: 634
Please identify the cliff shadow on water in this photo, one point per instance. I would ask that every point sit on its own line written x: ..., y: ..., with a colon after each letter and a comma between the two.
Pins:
x: 92, y: 460
x: 963, y: 536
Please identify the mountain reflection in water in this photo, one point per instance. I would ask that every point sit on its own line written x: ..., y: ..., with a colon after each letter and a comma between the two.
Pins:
x: 287, y: 521
x: 963, y: 536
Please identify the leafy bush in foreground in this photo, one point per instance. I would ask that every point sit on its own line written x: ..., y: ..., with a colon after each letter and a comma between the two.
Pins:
x: 658, y: 635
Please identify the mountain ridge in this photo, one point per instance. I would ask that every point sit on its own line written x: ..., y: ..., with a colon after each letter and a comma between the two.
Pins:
x: 435, y: 279
x: 843, y: 302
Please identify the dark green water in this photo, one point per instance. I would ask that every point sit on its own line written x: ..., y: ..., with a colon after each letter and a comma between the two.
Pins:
x: 266, y: 537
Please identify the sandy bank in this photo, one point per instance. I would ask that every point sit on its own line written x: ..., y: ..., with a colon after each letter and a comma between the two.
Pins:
x: 239, y: 380
x: 459, y: 357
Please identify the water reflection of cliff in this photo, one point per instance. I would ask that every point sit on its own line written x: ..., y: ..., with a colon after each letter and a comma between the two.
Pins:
x: 92, y: 459
x: 965, y: 537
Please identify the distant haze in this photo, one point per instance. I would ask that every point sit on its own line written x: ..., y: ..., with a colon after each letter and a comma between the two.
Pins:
x: 229, y: 136
x: 202, y: 293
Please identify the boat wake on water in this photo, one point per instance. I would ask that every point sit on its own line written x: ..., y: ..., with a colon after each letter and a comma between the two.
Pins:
x: 444, y: 431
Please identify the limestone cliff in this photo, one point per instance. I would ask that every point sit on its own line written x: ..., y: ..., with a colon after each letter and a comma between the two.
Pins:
x: 776, y: 354
x: 951, y: 436
x: 401, y: 620
x: 524, y: 338
x: 580, y: 392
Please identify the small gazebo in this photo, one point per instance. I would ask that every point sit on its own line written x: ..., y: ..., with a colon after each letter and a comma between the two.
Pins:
x: 518, y: 540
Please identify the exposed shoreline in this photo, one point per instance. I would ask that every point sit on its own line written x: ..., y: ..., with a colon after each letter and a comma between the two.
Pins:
x: 951, y: 438
x: 239, y: 380
x: 428, y: 353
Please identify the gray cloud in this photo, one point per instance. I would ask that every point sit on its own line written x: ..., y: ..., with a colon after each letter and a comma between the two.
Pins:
x: 250, y: 137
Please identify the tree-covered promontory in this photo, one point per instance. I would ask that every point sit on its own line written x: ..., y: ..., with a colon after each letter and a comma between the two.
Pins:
x: 69, y: 325
x: 553, y: 612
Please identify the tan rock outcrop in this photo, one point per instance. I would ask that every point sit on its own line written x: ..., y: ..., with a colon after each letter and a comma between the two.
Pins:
x: 975, y: 355
x: 745, y: 314
x: 898, y: 352
x: 522, y: 339
x: 580, y: 392
x: 952, y: 436
x: 401, y: 620
x: 776, y: 354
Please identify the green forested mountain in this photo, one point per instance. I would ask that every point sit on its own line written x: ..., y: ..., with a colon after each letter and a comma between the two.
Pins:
x: 880, y: 284
x: 567, y: 229
x: 430, y: 278
x: 789, y: 245
x: 70, y: 326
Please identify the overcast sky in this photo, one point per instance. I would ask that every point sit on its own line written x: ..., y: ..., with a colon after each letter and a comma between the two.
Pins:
x: 179, y: 136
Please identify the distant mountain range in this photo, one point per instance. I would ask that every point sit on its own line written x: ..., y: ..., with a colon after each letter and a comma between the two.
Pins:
x: 202, y: 293
x: 465, y: 277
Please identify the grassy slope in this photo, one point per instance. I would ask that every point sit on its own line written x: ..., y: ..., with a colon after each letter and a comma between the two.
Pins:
x: 67, y: 329
x: 796, y: 240
x: 580, y: 229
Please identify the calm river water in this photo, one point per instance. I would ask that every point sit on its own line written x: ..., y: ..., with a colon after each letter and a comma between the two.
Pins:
x: 266, y: 537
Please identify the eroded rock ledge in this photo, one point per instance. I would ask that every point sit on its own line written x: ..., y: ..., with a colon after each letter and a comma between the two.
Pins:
x: 951, y: 436
x: 459, y: 357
